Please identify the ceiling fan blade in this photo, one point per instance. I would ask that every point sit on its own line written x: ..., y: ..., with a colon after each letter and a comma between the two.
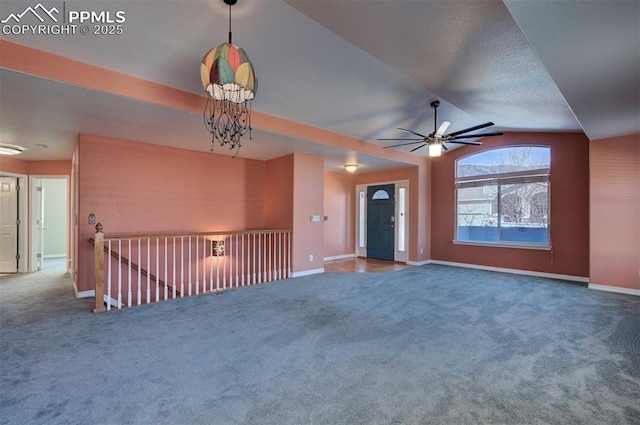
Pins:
x: 403, y: 144
x: 421, y: 146
x: 470, y: 136
x: 443, y: 127
x: 464, y: 143
x: 444, y: 147
x: 466, y: 130
x: 400, y: 139
x: 412, y: 132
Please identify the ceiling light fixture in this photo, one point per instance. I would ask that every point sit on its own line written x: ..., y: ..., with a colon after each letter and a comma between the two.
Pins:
x: 435, y: 149
x: 230, y: 81
x: 6, y: 149
x: 351, y: 168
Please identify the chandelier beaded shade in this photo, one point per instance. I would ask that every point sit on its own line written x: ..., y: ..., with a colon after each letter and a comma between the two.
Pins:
x: 231, y: 83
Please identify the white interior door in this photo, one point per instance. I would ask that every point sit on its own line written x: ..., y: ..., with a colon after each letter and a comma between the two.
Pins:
x: 8, y: 225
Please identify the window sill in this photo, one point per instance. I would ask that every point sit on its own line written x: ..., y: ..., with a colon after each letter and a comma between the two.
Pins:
x: 505, y: 245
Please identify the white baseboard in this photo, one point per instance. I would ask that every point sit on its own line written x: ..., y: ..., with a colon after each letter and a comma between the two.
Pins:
x: 419, y: 263
x: 92, y: 294
x: 84, y: 294
x: 616, y: 289
x: 513, y: 271
x: 113, y: 302
x: 339, y: 257
x: 307, y: 272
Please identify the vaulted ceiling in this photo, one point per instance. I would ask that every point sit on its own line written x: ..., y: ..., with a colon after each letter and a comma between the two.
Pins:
x: 358, y: 68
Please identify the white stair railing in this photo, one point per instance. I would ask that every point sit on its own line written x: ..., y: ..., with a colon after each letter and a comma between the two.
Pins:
x: 143, y: 269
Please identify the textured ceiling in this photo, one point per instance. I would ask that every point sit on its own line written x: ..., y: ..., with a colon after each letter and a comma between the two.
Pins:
x: 358, y: 68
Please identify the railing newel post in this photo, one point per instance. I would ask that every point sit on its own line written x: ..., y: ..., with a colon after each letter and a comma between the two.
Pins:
x: 98, y: 306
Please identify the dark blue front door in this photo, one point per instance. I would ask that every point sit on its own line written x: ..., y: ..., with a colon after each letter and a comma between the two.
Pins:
x: 380, y: 220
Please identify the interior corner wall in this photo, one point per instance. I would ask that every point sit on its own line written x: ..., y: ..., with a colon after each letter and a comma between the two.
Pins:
x: 569, y: 215
x: 425, y: 209
x: 140, y: 188
x: 308, y: 200
x: 615, y: 212
x: 278, y: 199
x: 419, y: 245
x: 339, y: 208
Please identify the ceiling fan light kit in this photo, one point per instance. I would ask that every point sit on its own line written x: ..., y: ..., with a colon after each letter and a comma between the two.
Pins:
x: 435, y: 149
x: 435, y: 141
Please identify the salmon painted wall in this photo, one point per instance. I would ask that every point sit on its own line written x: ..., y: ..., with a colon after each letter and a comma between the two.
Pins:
x: 569, y: 218
x: 615, y: 212
x: 308, y: 200
x: 140, y: 188
x: 49, y: 168
x: 419, y: 232
x: 13, y: 165
x: 339, y: 207
x: 278, y: 195
x: 35, y: 168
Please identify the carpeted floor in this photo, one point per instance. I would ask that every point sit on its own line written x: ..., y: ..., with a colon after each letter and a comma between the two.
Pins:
x: 426, y: 345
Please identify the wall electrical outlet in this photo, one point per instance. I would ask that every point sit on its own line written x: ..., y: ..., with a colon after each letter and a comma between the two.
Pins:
x: 311, y: 258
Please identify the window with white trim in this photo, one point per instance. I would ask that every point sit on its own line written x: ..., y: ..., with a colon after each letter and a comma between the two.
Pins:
x: 502, y: 197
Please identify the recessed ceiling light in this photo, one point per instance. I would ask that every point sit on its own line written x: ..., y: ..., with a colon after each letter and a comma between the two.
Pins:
x: 6, y: 149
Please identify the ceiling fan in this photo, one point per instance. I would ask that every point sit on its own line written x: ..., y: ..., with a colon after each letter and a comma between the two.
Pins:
x: 436, y: 140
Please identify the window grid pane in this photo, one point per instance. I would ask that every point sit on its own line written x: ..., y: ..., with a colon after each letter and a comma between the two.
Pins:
x: 477, y: 215
x: 509, y: 201
x: 517, y: 223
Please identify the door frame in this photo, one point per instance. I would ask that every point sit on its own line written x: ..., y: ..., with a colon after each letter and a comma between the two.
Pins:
x: 23, y: 216
x: 361, y: 240
x: 381, y: 222
x: 33, y: 264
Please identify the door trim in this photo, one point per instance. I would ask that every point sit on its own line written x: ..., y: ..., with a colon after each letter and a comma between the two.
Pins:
x: 381, y: 212
x: 23, y: 216
x: 32, y: 240
x: 399, y: 256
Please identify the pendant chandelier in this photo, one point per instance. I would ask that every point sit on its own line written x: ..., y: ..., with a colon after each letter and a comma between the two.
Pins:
x: 230, y: 81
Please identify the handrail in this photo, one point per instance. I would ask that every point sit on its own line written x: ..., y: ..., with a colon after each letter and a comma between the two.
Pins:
x: 185, y: 235
x: 196, y: 262
x: 134, y: 266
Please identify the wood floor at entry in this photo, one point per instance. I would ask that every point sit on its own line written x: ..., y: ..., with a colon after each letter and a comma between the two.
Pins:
x: 363, y: 265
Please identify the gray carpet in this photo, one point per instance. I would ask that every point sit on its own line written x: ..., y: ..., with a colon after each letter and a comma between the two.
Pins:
x: 427, y: 345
